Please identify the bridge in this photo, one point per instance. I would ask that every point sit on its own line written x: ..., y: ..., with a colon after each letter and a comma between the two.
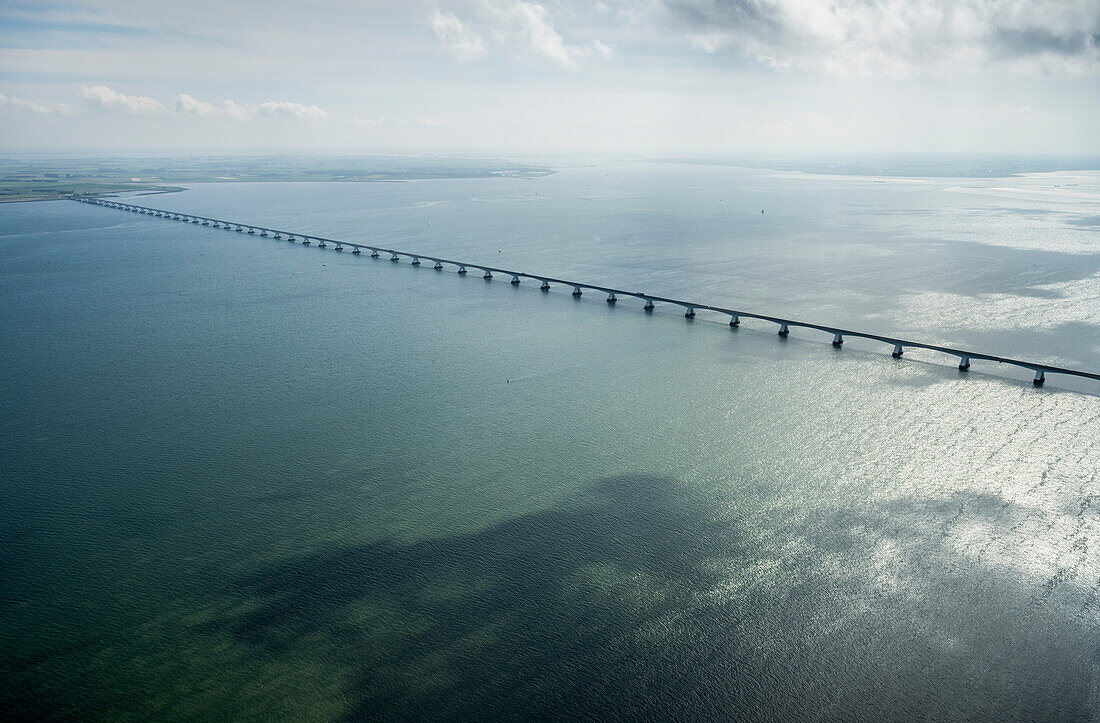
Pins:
x: 690, y: 307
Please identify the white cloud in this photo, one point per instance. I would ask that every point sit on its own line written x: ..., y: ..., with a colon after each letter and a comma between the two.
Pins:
x: 456, y: 36
x: 524, y: 28
x: 427, y: 120
x: 858, y: 38
x: 188, y: 105
x: 535, y: 26
x: 41, y: 107
x: 601, y: 48
x: 286, y: 109
x: 103, y: 98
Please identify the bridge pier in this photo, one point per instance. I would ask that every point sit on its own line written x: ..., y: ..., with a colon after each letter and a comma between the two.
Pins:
x: 394, y: 257
x: 545, y: 285
x: 305, y: 242
x: 1040, y: 377
x: 251, y: 232
x: 239, y: 229
x: 648, y: 305
x: 838, y: 339
x: 611, y: 298
x: 291, y: 239
x: 277, y: 236
x: 462, y: 270
x: 964, y: 363
x: 357, y: 250
x: 321, y: 244
x: 415, y: 261
x: 438, y: 265
x: 263, y: 234
x: 576, y: 291
x: 487, y: 275
x: 338, y: 248
x: 735, y: 320
x: 515, y: 280
x: 373, y: 253
x: 690, y: 313
x: 897, y: 351
x: 783, y: 330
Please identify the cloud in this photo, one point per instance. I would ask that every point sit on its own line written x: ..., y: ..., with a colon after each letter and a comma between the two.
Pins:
x: 864, y: 38
x: 427, y: 120
x: 536, y: 28
x: 456, y: 36
x: 286, y: 109
x: 185, y: 104
x: 41, y: 107
x: 103, y: 98
x: 524, y: 28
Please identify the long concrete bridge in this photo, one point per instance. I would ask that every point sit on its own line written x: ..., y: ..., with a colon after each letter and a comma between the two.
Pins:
x: 785, y: 325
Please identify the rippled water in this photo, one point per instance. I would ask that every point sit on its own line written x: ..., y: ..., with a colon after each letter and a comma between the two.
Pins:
x: 247, y: 478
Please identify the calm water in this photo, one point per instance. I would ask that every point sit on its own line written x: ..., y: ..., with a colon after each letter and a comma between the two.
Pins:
x: 245, y: 478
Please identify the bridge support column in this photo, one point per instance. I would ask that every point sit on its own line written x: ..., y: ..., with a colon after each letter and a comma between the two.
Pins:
x: 239, y: 229
x: 576, y: 291
x: 357, y: 251
x: 690, y: 313
x: 251, y: 231
x: 306, y: 242
x: 648, y: 305
x: 373, y: 254
x: 278, y: 236
x: 783, y: 330
x: 515, y: 280
x: 964, y: 363
x: 438, y: 265
x: 291, y: 239
x: 611, y: 298
x: 415, y: 261
x: 322, y: 244
x: 462, y: 269
x: 545, y: 285
x: 338, y: 248
x: 263, y: 234
x: 735, y: 320
x: 897, y: 351
x: 394, y: 257
x: 838, y: 339
x: 488, y: 274
x: 1040, y: 377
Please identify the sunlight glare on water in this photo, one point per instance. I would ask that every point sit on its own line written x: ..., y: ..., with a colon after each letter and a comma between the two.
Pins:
x: 277, y: 482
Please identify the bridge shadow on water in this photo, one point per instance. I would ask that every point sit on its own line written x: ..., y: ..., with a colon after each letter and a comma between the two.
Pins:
x: 642, y: 600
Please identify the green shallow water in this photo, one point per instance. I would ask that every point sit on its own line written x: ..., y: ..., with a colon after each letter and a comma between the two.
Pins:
x: 243, y: 478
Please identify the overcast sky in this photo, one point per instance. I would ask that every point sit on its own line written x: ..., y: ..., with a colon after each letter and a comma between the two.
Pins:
x: 654, y: 76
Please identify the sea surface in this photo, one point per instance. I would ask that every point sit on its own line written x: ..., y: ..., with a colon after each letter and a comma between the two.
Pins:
x: 243, y: 478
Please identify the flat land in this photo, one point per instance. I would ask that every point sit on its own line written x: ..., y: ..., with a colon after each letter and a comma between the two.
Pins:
x: 51, y: 178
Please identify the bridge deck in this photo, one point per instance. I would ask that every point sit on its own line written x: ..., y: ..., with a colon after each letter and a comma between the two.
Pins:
x: 963, y: 354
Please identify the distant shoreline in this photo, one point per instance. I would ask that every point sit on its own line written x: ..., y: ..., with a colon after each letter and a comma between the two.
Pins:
x: 64, y: 193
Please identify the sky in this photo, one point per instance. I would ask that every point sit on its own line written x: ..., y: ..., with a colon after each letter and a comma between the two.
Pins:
x: 498, y: 76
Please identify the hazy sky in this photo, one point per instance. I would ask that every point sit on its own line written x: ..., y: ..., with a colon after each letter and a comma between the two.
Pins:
x: 517, y: 75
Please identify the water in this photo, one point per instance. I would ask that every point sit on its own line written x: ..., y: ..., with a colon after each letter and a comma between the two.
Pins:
x: 246, y: 478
